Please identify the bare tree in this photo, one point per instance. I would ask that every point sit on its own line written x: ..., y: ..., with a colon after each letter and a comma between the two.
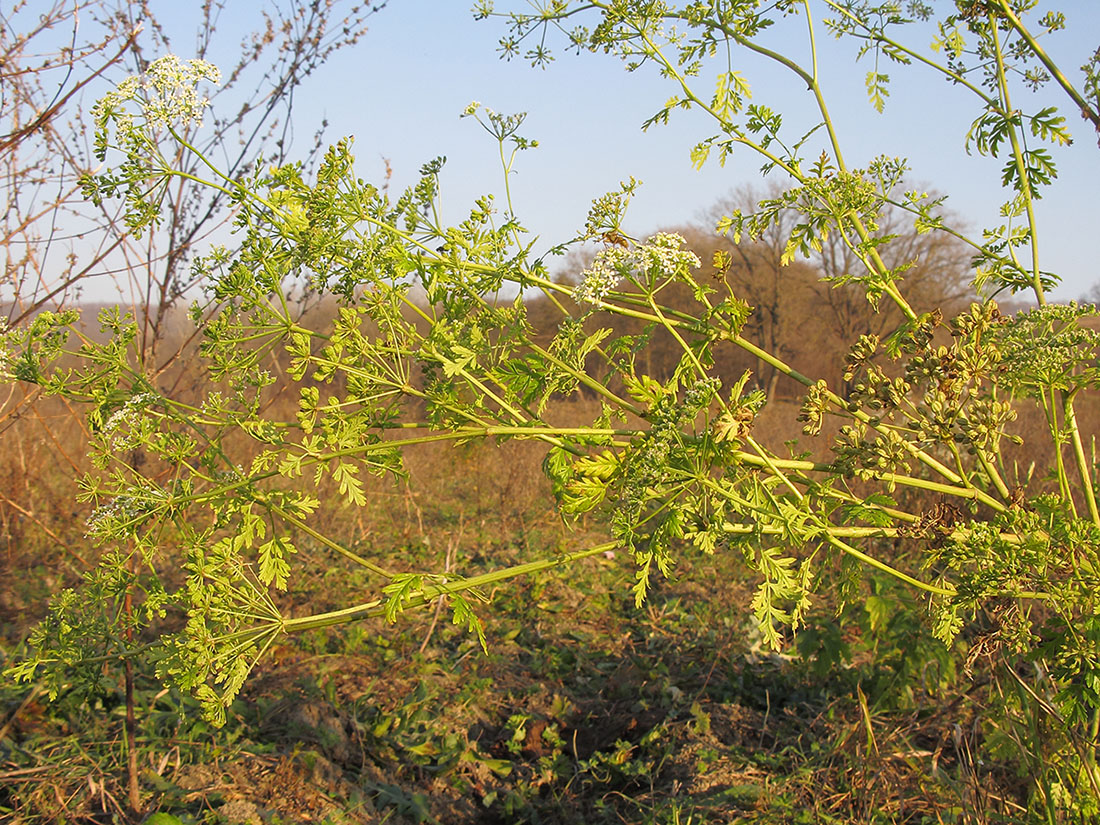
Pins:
x: 934, y: 271
x: 1091, y: 295
x: 48, y: 60
x: 55, y: 242
x: 779, y: 293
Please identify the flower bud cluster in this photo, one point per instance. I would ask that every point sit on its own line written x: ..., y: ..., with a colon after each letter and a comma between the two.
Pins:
x: 984, y: 422
x: 939, y: 416
x: 878, y: 392
x: 858, y: 456
x: 862, y: 351
x: 936, y: 366
x: 814, y: 408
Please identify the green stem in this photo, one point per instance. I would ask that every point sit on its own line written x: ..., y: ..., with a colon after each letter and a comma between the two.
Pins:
x: 994, y: 476
x: 579, y: 375
x: 429, y: 594
x: 327, y: 542
x: 1021, y: 167
x: 855, y: 553
x: 1083, y: 469
x: 953, y: 76
x: 588, y: 381
x: 890, y: 478
x: 1058, y: 439
x: 1087, y: 110
x: 769, y: 462
x: 854, y: 532
x: 872, y: 260
x: 699, y: 369
x: 237, y: 188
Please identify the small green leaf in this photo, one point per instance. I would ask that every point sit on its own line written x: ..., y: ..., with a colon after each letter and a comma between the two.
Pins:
x: 879, y: 610
x: 274, y: 568
x: 345, y: 475
x: 401, y: 589
x: 160, y: 818
x: 463, y: 614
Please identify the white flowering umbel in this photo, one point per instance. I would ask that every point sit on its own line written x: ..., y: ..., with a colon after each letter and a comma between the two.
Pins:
x: 165, y: 99
x: 662, y: 256
x: 7, y: 353
x: 610, y: 266
x: 167, y: 93
x: 127, y: 427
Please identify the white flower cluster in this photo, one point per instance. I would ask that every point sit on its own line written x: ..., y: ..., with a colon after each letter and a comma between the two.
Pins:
x: 166, y: 92
x: 661, y: 256
x: 121, y: 428
x: 105, y: 519
x: 7, y: 356
x: 230, y: 474
x: 608, y: 268
x: 122, y: 513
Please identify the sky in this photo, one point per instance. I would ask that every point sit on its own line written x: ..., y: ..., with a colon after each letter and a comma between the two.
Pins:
x: 400, y: 93
x: 401, y: 90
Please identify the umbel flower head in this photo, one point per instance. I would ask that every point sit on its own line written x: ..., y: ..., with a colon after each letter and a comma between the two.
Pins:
x: 659, y: 257
x: 165, y: 97
x: 166, y: 92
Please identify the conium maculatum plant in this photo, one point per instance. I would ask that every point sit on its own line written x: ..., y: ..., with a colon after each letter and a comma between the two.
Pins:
x: 204, y: 505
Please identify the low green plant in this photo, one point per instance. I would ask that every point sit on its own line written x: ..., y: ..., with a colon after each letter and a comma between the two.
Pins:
x: 204, y: 506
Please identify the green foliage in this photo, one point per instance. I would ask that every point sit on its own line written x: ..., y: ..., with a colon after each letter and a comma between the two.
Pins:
x: 206, y: 526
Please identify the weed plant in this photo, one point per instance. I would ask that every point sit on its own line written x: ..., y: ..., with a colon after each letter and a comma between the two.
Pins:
x: 908, y: 557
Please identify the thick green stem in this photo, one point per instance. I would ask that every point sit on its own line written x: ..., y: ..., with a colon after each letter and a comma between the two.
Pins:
x: 1021, y: 166
x: 1083, y: 468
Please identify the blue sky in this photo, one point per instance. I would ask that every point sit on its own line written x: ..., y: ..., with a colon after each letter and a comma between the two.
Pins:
x: 401, y: 90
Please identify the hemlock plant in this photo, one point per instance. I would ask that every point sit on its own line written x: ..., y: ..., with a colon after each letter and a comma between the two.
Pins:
x: 424, y: 349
